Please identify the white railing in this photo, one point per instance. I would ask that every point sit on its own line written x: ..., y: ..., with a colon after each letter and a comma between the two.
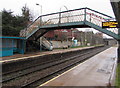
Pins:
x: 47, y: 43
x: 77, y: 15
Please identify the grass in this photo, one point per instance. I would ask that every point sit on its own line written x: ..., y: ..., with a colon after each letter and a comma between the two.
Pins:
x: 78, y: 46
x: 81, y: 46
x: 118, y: 76
x: 74, y: 47
x: 85, y: 46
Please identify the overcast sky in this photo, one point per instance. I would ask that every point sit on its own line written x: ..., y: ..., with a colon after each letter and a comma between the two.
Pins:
x: 50, y: 6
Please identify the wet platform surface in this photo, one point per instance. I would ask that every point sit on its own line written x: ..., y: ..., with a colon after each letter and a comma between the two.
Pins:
x: 99, y: 70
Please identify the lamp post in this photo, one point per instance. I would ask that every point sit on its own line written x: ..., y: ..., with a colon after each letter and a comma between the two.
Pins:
x: 40, y: 8
x: 40, y: 24
x: 67, y: 19
x: 67, y: 10
x: 40, y: 13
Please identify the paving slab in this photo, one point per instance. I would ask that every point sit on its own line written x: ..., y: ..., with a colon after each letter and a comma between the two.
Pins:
x: 99, y: 70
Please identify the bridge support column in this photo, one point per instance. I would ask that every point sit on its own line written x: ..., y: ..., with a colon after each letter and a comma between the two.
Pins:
x: 118, y: 51
x: 40, y: 43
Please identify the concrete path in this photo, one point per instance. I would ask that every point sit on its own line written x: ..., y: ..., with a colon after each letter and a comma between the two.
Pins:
x: 99, y: 70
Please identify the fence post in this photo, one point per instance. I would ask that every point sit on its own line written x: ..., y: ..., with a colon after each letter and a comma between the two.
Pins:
x: 85, y: 14
x: 59, y: 18
x: 26, y: 32
x: 40, y: 21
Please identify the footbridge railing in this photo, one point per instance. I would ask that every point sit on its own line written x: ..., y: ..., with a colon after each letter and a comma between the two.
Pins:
x: 71, y: 18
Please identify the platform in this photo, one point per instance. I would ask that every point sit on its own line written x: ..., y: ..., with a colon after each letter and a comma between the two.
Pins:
x: 99, y: 70
x: 37, y: 54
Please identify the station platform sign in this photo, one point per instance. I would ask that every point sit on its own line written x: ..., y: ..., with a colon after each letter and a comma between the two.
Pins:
x: 110, y: 24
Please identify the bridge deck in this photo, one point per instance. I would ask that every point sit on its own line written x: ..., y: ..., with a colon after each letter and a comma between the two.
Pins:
x: 77, y: 18
x: 97, y: 71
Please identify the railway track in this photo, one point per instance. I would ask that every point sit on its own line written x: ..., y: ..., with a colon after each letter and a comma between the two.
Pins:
x: 33, y: 75
x: 13, y: 74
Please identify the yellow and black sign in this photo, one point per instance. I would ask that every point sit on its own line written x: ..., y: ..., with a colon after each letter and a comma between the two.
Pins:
x: 110, y: 24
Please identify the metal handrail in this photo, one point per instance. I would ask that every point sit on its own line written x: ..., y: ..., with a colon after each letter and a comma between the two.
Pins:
x: 59, y: 19
x: 46, y: 43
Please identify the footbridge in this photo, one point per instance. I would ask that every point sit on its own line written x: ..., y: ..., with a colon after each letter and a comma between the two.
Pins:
x: 77, y: 18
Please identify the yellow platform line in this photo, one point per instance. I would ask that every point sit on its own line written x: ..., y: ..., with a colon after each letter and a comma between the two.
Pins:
x: 39, y: 55
x: 22, y: 58
x: 61, y: 74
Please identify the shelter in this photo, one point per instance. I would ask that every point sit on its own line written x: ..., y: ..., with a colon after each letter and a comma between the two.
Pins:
x: 11, y: 45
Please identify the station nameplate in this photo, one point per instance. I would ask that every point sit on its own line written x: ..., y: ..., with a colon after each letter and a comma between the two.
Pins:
x: 110, y: 24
